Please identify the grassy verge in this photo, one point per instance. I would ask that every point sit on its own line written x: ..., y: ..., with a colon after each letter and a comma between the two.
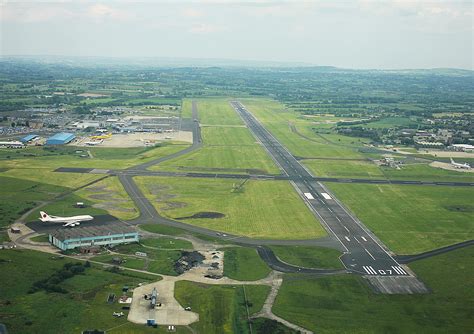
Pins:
x: 260, y: 209
x: 244, y: 264
x: 40, y: 238
x: 323, y: 304
x: 166, y: 243
x: 222, y: 309
x: 309, y: 257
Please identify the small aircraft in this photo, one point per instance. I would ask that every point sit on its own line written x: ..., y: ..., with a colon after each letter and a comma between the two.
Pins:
x: 68, y: 221
x: 458, y: 165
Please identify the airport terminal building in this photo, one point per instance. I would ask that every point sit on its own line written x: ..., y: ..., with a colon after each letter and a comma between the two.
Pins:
x: 88, y: 236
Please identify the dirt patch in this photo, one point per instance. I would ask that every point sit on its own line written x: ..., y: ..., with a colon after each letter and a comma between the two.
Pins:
x: 460, y: 208
x: 112, y: 206
x: 204, y: 214
x: 187, y: 261
x: 174, y: 205
x: 155, y: 189
x: 98, y: 188
x: 106, y: 196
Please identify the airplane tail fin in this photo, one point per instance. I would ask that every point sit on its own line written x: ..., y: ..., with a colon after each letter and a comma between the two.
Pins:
x: 44, y: 215
x: 452, y: 161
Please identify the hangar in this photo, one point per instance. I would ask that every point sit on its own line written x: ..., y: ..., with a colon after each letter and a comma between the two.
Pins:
x: 87, y: 236
x: 29, y: 138
x: 60, y: 138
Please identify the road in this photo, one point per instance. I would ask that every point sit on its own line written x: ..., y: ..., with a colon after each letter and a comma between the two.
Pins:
x: 363, y: 253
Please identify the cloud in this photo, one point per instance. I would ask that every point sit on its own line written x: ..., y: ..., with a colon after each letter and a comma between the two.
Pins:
x: 192, y: 13
x: 204, y: 28
x: 100, y: 11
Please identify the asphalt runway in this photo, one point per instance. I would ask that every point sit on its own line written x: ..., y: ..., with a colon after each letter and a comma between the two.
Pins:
x: 363, y: 253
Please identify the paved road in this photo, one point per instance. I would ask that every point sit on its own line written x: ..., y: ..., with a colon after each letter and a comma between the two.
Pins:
x: 364, y: 254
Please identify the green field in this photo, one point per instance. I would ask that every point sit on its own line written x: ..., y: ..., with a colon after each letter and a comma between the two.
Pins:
x: 166, y: 243
x: 345, y: 304
x: 17, y: 196
x: 308, y: 257
x: 244, y: 264
x: 48, y: 158
x: 277, y: 119
x: 222, y: 309
x: 84, y: 306
x: 228, y: 145
x: 263, y: 209
x: 344, y: 169
x: 411, y: 219
x: 160, y: 261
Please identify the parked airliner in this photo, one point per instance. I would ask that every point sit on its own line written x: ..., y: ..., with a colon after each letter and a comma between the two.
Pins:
x: 68, y: 221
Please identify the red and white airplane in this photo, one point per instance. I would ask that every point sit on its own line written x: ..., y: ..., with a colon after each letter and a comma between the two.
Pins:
x: 68, y: 221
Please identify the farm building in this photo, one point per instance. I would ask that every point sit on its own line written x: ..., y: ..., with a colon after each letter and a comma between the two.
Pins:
x: 29, y: 138
x: 60, y: 138
x: 88, y: 236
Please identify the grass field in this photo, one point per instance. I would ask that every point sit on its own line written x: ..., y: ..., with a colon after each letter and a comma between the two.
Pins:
x: 65, y: 156
x: 244, y: 264
x: 17, y: 196
x: 344, y: 169
x: 345, y: 304
x: 222, y: 309
x: 110, y: 195
x: 264, y: 209
x: 222, y: 159
x: 411, y: 219
x: 166, y: 243
x: 309, y: 257
x: 160, y: 261
x: 228, y: 144
x: 277, y: 119
x: 83, y: 307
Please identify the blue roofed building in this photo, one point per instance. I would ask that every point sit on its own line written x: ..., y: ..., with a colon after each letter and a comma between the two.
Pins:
x: 28, y: 138
x: 60, y: 138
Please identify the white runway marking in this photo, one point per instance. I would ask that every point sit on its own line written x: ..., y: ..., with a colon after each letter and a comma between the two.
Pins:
x: 369, y: 270
x: 373, y: 258
x: 399, y: 270
x: 308, y: 196
x: 326, y: 196
x: 347, y: 239
x: 363, y: 238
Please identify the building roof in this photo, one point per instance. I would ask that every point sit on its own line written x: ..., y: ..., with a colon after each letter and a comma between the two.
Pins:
x: 27, y: 138
x: 62, y: 136
x: 87, y: 231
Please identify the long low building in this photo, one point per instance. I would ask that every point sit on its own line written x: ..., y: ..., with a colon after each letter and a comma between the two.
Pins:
x: 60, y: 138
x: 87, y: 236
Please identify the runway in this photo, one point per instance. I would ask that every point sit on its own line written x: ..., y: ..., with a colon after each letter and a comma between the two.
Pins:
x: 363, y: 253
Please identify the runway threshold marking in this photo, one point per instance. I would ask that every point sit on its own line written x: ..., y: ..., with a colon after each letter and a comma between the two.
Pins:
x: 369, y: 270
x: 399, y: 270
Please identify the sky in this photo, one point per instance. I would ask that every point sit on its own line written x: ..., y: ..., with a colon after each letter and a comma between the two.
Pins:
x: 399, y: 34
